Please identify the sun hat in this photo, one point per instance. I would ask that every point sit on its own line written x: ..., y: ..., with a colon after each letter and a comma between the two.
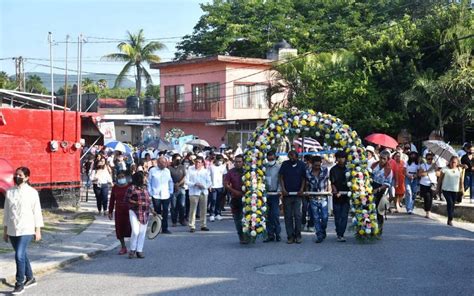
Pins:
x: 154, y: 226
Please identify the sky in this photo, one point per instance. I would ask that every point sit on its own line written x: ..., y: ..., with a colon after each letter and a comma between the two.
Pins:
x: 24, y: 27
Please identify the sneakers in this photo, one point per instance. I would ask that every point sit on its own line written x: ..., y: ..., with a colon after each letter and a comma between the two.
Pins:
x: 319, y: 240
x: 341, y: 239
x: 212, y: 218
x: 219, y: 217
x: 140, y: 255
x: 298, y: 240
x: 204, y: 229
x: 30, y: 283
x: 290, y: 240
x: 122, y: 251
x: 19, y: 289
x: 311, y: 229
x: 132, y: 254
x: 166, y: 232
x: 192, y: 230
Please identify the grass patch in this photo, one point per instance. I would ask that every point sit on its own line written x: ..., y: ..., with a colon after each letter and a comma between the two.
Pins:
x: 82, y: 221
x: 5, y: 250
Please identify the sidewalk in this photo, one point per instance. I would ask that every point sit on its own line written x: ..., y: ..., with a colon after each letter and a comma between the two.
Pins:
x: 98, y: 237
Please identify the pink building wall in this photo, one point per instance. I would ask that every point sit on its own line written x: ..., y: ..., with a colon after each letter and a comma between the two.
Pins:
x: 212, y: 134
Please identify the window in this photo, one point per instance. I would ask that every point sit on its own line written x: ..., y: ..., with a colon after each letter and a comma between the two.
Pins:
x: 248, y: 96
x: 204, y: 94
x: 174, y: 98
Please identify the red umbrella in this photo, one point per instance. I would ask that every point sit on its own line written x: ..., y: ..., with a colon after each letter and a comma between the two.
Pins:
x: 382, y: 140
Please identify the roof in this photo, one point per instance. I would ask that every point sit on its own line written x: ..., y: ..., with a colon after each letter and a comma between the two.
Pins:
x: 24, y: 99
x: 213, y: 59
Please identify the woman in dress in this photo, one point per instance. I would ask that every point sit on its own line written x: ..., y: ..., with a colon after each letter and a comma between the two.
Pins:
x: 121, y: 206
x: 22, y: 221
x: 451, y: 183
x: 399, y: 175
x: 139, y: 203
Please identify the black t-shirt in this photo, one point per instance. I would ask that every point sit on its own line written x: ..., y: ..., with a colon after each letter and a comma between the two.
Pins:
x: 293, y: 175
x: 469, y: 162
x: 337, y: 175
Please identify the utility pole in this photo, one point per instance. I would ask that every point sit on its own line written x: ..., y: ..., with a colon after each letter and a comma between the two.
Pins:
x: 20, y: 73
x: 79, y: 72
x: 65, y: 78
x: 50, y: 39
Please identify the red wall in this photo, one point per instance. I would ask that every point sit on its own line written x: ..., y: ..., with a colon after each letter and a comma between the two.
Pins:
x: 24, y: 141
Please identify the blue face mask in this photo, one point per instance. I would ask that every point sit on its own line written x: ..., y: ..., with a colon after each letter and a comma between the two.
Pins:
x: 122, y: 181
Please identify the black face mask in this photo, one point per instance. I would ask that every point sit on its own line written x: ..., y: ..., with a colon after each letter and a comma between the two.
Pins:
x: 18, y: 180
x: 293, y: 161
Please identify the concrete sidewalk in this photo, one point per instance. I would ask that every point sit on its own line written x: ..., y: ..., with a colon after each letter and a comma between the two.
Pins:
x: 98, y: 237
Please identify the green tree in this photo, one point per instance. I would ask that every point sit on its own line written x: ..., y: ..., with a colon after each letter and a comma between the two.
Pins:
x: 5, y: 81
x: 153, y: 91
x: 34, y: 84
x: 135, y: 52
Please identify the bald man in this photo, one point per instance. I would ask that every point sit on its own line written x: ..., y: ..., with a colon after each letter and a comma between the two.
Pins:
x: 160, y: 187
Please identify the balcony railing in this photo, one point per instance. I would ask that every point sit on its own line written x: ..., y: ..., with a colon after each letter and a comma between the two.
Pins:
x: 185, y: 111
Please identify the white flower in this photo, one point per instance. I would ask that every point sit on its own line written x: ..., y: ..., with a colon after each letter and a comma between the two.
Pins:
x: 272, y: 126
x: 254, y: 215
x: 348, y: 174
x: 298, y: 131
x: 287, y: 131
x: 278, y: 136
x: 279, y: 122
x: 296, y: 118
x: 305, y: 116
x: 253, y: 233
x: 317, y: 134
x: 245, y: 229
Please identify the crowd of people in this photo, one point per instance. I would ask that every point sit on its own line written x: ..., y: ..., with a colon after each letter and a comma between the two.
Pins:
x: 199, y: 185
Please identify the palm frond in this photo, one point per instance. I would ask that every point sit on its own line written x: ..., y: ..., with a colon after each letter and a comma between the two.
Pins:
x: 147, y: 76
x: 116, y: 57
x: 122, y: 73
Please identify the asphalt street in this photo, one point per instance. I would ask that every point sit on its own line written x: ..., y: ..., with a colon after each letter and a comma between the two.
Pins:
x: 416, y: 256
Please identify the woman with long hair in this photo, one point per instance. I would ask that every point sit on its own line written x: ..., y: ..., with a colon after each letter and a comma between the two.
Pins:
x: 101, y: 180
x: 411, y: 180
x: 451, y: 184
x: 139, y: 203
x: 22, y: 221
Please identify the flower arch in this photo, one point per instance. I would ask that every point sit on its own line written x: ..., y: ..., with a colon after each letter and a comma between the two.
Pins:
x: 337, y: 135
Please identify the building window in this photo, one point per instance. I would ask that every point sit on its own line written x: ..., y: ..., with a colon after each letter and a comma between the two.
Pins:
x: 249, y: 96
x: 174, y: 98
x: 204, y: 94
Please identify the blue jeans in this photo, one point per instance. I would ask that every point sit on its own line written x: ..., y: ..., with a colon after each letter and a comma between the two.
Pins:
x: 161, y: 206
x: 307, y: 217
x: 23, y: 267
x: 178, y: 205
x: 273, y: 215
x: 469, y: 183
x: 319, y: 209
x: 450, y: 197
x: 410, y: 195
x: 101, y: 195
x: 215, y: 197
x: 341, y: 212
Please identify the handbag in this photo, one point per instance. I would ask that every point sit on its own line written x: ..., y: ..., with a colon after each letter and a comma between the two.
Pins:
x: 384, y: 204
x: 460, y: 193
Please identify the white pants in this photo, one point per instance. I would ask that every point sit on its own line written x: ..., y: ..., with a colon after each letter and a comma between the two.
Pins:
x: 137, y: 238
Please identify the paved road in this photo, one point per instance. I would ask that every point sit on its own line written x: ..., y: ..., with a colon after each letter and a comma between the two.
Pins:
x: 416, y: 257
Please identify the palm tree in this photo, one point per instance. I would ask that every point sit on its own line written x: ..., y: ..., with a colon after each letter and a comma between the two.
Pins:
x: 135, y: 52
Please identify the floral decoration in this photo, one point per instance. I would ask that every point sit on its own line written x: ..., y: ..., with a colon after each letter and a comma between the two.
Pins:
x: 337, y: 135
x: 174, y: 133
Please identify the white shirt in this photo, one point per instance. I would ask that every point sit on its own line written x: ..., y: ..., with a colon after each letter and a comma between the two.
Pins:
x: 412, y: 168
x: 194, y: 176
x: 451, y: 179
x: 22, y: 212
x: 217, y: 175
x: 100, y: 177
x: 430, y: 178
x: 160, y: 183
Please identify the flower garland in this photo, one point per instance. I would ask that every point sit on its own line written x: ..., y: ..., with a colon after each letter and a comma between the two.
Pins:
x: 307, y: 123
x: 174, y: 133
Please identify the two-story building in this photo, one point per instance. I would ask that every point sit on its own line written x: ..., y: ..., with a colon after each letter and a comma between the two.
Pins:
x: 221, y: 99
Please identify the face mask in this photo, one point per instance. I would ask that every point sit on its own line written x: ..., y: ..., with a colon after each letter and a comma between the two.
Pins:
x: 122, y: 181
x: 292, y: 161
x: 18, y: 180
x: 272, y: 163
x: 186, y: 164
x: 219, y: 163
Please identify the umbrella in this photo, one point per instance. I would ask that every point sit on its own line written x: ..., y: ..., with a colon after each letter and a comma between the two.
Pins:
x: 119, y: 146
x: 160, y: 145
x: 309, y: 143
x: 440, y: 149
x: 198, y: 142
x: 382, y: 140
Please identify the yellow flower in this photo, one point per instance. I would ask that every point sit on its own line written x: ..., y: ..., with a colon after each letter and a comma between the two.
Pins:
x: 361, y: 232
x: 260, y: 229
x: 338, y: 136
x: 259, y: 203
x: 278, y: 128
x: 303, y: 122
